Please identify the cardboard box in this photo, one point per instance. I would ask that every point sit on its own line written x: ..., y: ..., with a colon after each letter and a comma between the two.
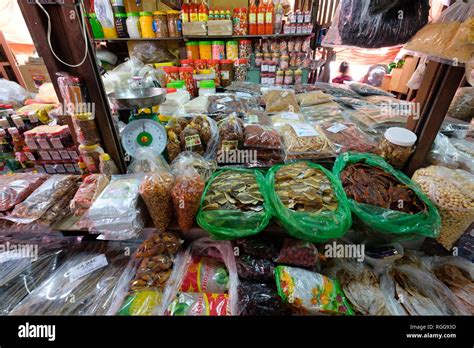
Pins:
x: 34, y: 75
x: 194, y: 29
x: 221, y: 27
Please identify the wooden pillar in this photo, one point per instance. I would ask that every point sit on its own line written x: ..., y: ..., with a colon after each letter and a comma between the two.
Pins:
x: 68, y: 42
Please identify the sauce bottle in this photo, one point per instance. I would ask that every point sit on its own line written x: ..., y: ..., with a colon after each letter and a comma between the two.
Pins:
x: 269, y: 18
x: 261, y: 11
x: 253, y: 18
x: 185, y: 12
x: 222, y: 14
x: 193, y: 12
x: 203, y: 12
x: 278, y: 17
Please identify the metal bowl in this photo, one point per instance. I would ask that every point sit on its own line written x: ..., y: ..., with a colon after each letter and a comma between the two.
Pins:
x: 131, y: 99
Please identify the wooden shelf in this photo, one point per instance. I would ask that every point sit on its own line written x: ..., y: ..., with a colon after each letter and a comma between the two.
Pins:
x: 141, y: 39
x: 203, y: 37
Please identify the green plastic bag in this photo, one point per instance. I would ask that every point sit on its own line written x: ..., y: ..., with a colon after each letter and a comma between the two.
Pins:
x: 426, y: 223
x: 226, y: 224
x: 314, y: 227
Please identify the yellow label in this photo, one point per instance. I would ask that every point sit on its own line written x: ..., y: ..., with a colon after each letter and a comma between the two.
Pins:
x: 194, y: 17
x: 261, y: 18
x: 202, y: 17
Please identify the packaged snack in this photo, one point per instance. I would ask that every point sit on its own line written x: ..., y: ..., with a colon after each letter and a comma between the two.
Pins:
x: 286, y: 118
x: 261, y: 299
x: 90, y: 189
x: 141, y: 303
x: 231, y: 133
x: 259, y: 270
x: 313, y: 98
x: 281, y: 100
x: 86, y: 129
x: 207, y: 304
x: 59, y: 209
x: 167, y: 243
x: 261, y: 137
x: 261, y: 248
x: 311, y: 293
x: 229, y: 103
x: 204, y: 274
x: 15, y: 188
x: 298, y: 253
x: 366, y: 90
x: 346, y: 136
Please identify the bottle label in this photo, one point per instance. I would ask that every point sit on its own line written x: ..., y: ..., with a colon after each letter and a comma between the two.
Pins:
x: 269, y: 17
x: 252, y: 18
x: 202, y: 17
x: 261, y: 18
x: 194, y: 17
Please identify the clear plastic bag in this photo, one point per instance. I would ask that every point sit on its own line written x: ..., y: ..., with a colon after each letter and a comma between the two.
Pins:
x: 145, y: 161
x: 376, y: 24
x: 313, y: 98
x: 261, y: 137
x: 42, y: 199
x: 261, y: 248
x: 231, y: 134
x: 446, y: 154
x: 348, y: 137
x: 335, y: 89
x: 286, y: 118
x: 17, y: 187
x: 12, y: 93
x: 245, y: 87
x: 366, y: 90
x: 59, y: 210
x: 254, y: 116
x: 258, y: 270
x: 198, y: 105
x: 261, y: 300
x: 462, y: 105
x: 150, y: 53
x: 323, y: 112
x: 280, y: 100
x: 117, y: 212
x: 230, y: 103
x: 298, y: 253
x: 452, y: 193
x: 90, y: 189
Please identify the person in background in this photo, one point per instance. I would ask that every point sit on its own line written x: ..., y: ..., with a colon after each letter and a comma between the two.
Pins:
x: 344, y: 74
x: 375, y: 75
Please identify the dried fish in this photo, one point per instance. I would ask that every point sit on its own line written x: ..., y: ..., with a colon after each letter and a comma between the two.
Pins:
x: 458, y: 282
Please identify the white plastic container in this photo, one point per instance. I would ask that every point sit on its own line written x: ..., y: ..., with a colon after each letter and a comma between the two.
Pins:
x: 207, y: 87
x: 133, y: 25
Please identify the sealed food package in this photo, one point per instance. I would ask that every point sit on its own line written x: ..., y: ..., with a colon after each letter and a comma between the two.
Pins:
x: 325, y: 112
x: 43, y: 198
x: 385, y: 199
x: 264, y: 137
x: 90, y: 189
x: 445, y: 153
x: 305, y: 141
x: 39, y: 110
x: 261, y: 248
x: 298, y: 253
x: 94, y: 276
x: 335, y: 89
x: 197, y: 304
x: 308, y: 201
x: 60, y: 208
x: 286, y: 118
x: 346, y: 136
x: 366, y: 90
x: 452, y: 193
x: 117, y: 212
x: 234, y: 204
x: 231, y: 133
x: 204, y: 274
x: 254, y: 269
x: 245, y: 87
x: 187, y: 188
x: 376, y: 24
x: 141, y: 303
x: 462, y: 104
x: 197, y: 105
x: 15, y: 188
x: 281, y: 100
x: 197, y: 134
x: 159, y: 243
x: 311, y: 293
x: 449, y: 37
x: 313, y: 98
x: 261, y: 299
x: 255, y: 116
x: 229, y: 103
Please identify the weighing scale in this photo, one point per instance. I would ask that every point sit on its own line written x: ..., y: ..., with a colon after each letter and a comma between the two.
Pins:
x: 144, y: 129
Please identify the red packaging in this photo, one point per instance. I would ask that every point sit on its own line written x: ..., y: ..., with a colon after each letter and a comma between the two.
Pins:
x: 172, y: 73
x: 200, y: 64
x: 214, y: 64
x: 186, y: 74
x: 187, y: 62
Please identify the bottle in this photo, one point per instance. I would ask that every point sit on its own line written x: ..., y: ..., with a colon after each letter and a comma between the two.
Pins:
x: 185, y: 12
x: 203, y: 12
x: 107, y: 165
x: 261, y: 11
x: 222, y: 14
x: 269, y: 18
x: 278, y: 17
x: 228, y: 15
x: 211, y: 15
x: 193, y: 12
x: 253, y: 18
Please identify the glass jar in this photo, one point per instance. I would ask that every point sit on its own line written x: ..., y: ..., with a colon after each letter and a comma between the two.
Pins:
x: 192, y: 49
x: 160, y: 24
x: 86, y: 129
x: 121, y: 25
x: 288, y: 77
x: 207, y: 87
x: 227, y: 72
x: 133, y: 25
x: 91, y: 157
x: 280, y: 78
x: 218, y: 49
x: 232, y: 49
x: 205, y: 50
x: 396, y: 146
x: 146, y: 25
x: 186, y: 74
x: 174, y: 23
x: 96, y: 27
x: 240, y: 69
x: 258, y: 60
x: 245, y: 48
x: 214, y: 65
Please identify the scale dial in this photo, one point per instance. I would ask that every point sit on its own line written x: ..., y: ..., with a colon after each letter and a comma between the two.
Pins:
x: 144, y: 133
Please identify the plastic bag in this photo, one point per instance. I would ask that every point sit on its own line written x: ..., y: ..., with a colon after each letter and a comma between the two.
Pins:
x: 376, y: 24
x: 446, y: 154
x: 462, y: 105
x: 313, y: 98
x: 450, y: 37
x: 281, y: 100
x: 346, y: 136
x: 43, y: 198
x: 245, y: 87
x: 145, y: 161
x: 311, y: 293
x: 261, y: 300
x: 323, y: 113
x: 12, y: 93
x: 286, y: 118
x: 90, y: 189
x: 228, y: 213
x: 204, y: 274
x: 231, y: 136
x: 425, y: 223
x: 205, y: 304
x: 197, y: 105
x: 452, y: 193
x: 261, y: 248
x: 367, y: 90
x: 117, y: 212
x: 298, y: 253
x: 230, y: 103
x: 336, y: 90
x: 261, y: 137
x: 254, y: 116
x: 150, y: 53
x: 320, y: 213
x: 17, y: 187
x: 259, y: 270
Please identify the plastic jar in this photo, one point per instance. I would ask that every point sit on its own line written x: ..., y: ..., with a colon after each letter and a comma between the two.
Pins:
x: 280, y: 78
x: 160, y: 24
x: 187, y: 63
x: 179, y: 85
x: 91, y: 157
x: 146, y: 25
x: 232, y: 48
x: 86, y: 129
x: 397, y: 146
x: 200, y: 64
x: 192, y: 49
x: 174, y: 23
x: 245, y: 48
x: 227, y: 72
x: 96, y: 27
x: 186, y: 74
x: 171, y: 73
x: 218, y: 49
x: 133, y: 25
x: 207, y: 87
x: 214, y: 65
x: 121, y: 25
x: 240, y: 22
x: 205, y: 50
x: 288, y: 77
x: 240, y: 69
x: 258, y: 60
